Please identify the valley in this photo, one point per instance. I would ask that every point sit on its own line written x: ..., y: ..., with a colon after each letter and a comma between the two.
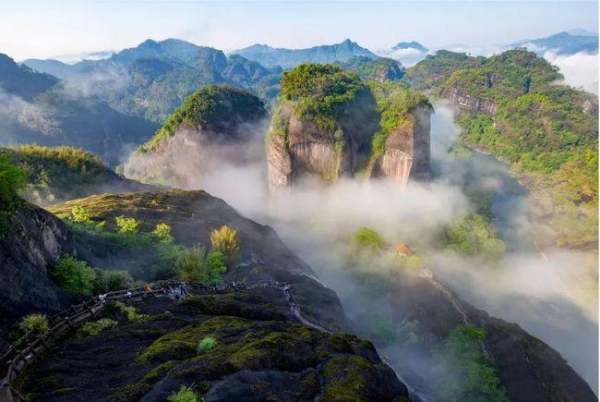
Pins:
x: 300, y: 224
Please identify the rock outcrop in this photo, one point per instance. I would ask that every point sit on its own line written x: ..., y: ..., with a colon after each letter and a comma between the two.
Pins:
x: 468, y: 103
x: 258, y: 353
x: 528, y: 369
x: 407, y: 152
x: 327, y: 136
x: 215, y: 125
x: 35, y: 241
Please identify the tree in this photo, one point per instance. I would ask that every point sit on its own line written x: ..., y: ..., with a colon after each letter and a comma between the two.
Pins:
x: 225, y: 240
x: 12, y: 179
x: 73, y: 275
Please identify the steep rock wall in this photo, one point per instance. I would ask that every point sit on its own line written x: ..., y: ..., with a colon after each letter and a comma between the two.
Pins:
x: 35, y: 241
x: 466, y: 102
x: 407, y: 150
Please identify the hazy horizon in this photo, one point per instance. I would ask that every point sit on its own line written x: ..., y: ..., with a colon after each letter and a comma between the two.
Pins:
x: 70, y: 28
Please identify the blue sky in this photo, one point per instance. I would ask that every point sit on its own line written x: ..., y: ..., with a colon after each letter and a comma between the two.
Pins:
x: 49, y: 28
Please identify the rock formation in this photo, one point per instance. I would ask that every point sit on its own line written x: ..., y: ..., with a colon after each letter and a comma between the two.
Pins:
x: 407, y: 152
x: 212, y: 126
x: 382, y: 129
x: 469, y: 103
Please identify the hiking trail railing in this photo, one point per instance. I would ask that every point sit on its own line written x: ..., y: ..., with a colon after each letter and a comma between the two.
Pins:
x: 23, y: 352
x: 27, y: 349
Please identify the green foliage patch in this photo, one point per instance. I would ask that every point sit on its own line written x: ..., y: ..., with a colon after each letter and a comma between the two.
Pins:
x: 12, y: 179
x: 216, y: 108
x: 73, y: 275
x: 466, y: 373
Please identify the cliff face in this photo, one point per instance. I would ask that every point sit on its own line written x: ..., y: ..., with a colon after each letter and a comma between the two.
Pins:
x: 306, y: 150
x: 407, y: 150
x: 216, y: 124
x: 469, y: 103
x: 35, y: 242
x: 528, y: 369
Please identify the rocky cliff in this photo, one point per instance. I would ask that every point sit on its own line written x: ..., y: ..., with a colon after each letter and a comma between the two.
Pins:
x: 34, y: 243
x: 329, y: 124
x: 468, y: 103
x: 212, y: 126
x: 407, y: 153
x: 528, y: 369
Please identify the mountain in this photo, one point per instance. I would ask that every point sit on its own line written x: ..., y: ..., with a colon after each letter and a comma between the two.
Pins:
x: 153, y: 78
x: 21, y: 81
x: 288, y: 58
x: 328, y: 124
x: 38, y: 108
x: 410, y: 45
x: 57, y: 174
x: 563, y: 43
x: 512, y: 108
x: 210, y: 129
x: 381, y: 69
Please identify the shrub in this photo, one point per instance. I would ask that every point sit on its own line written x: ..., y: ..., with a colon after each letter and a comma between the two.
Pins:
x: 130, y: 312
x: 80, y: 215
x: 127, y: 225
x: 34, y: 323
x: 195, y: 265
x: 466, y: 373
x: 225, y: 240
x: 474, y: 235
x: 206, y: 344
x: 12, y: 179
x: 162, y: 232
x: 106, y: 281
x: 73, y: 275
x: 95, y: 327
x: 185, y: 394
x: 367, y: 240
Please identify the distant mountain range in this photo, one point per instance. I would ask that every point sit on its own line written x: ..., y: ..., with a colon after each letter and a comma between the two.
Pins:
x: 152, y: 79
x: 563, y: 43
x: 410, y: 45
x: 288, y: 58
x: 38, y: 108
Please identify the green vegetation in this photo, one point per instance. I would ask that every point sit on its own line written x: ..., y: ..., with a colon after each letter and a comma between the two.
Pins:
x: 127, y: 226
x: 53, y: 172
x: 73, y: 275
x: 547, y: 132
x: 34, y: 324
x: 225, y: 240
x: 206, y: 344
x: 436, y: 68
x: 95, y: 327
x: 12, y: 179
x: 185, y: 394
x: 320, y: 93
x: 216, y: 108
x: 367, y: 240
x: 467, y: 374
x: 395, y: 101
x: 473, y: 235
x: 196, y: 265
x: 380, y: 69
x: 106, y: 281
x: 130, y: 312
x: 162, y: 232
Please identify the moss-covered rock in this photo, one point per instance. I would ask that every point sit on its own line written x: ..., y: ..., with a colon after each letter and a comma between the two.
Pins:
x: 250, y: 359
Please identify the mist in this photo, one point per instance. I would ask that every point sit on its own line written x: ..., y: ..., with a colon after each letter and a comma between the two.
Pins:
x: 580, y: 70
x: 541, y: 292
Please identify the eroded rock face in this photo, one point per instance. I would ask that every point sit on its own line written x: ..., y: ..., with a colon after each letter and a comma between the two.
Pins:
x: 308, y: 151
x: 469, y: 103
x: 35, y: 241
x: 407, y: 150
